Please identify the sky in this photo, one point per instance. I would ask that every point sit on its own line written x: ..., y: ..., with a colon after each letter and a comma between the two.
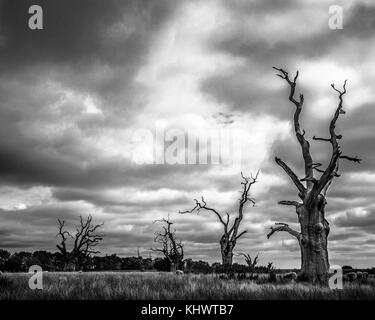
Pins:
x: 77, y: 97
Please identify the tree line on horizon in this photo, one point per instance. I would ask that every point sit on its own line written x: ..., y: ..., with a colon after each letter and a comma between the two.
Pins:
x: 54, y: 262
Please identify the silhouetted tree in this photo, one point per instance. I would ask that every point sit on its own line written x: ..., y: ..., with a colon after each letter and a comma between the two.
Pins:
x: 312, y: 190
x: 171, y: 248
x: 83, y: 242
x: 270, y: 266
x: 251, y: 263
x: 230, y: 232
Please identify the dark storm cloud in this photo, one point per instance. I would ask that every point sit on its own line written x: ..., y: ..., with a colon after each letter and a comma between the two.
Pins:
x: 359, y: 22
x: 94, y: 47
x: 91, y: 47
x: 75, y: 32
x: 242, y: 90
x: 50, y: 169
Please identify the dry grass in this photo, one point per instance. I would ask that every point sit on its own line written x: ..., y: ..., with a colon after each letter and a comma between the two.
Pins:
x: 152, y: 285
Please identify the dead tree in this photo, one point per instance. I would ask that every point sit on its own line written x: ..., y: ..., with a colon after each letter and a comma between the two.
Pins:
x: 171, y: 248
x: 83, y: 242
x: 230, y: 233
x: 312, y: 190
x: 270, y: 266
x: 251, y: 263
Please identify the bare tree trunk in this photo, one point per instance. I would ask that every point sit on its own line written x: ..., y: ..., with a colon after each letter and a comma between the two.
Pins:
x: 227, y: 247
x: 227, y: 260
x: 313, y: 243
x: 173, y: 267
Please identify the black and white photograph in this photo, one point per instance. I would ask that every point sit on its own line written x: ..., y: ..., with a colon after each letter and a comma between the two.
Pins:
x: 185, y: 150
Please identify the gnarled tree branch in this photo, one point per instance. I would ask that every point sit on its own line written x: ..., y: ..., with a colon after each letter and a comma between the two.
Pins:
x: 293, y: 176
x: 300, y: 134
x: 290, y: 203
x: 279, y: 226
x: 331, y: 171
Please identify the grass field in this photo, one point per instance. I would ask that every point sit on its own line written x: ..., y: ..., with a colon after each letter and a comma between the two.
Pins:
x: 153, y: 285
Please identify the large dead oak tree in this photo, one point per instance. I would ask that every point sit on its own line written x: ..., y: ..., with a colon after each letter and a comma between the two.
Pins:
x: 230, y: 232
x: 312, y: 190
x: 83, y: 242
x: 171, y: 247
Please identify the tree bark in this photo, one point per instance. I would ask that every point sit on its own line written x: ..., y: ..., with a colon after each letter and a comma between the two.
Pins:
x: 227, y: 247
x: 173, y: 267
x: 313, y: 242
x: 227, y: 260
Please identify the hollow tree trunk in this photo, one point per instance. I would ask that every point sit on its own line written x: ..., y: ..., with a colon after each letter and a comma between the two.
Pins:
x: 227, y: 247
x: 313, y: 242
x: 227, y: 260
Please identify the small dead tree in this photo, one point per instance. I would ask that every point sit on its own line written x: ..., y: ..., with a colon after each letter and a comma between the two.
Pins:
x: 171, y: 248
x: 312, y: 190
x: 230, y: 233
x: 83, y: 242
x: 270, y: 266
x: 251, y: 263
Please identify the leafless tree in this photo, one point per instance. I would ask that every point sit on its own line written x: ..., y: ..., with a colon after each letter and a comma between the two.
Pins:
x: 171, y: 247
x: 312, y: 190
x: 230, y: 232
x: 83, y: 242
x: 270, y: 266
x: 251, y: 263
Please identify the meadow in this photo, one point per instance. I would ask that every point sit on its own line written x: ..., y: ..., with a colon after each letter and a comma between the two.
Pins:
x: 159, y: 285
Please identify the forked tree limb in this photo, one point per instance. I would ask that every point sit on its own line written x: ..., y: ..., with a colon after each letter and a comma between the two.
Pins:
x: 300, y: 134
x: 293, y: 176
x: 354, y: 159
x: 290, y: 203
x: 279, y: 227
x: 246, y: 185
x: 331, y: 171
x: 240, y: 234
x: 203, y: 205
